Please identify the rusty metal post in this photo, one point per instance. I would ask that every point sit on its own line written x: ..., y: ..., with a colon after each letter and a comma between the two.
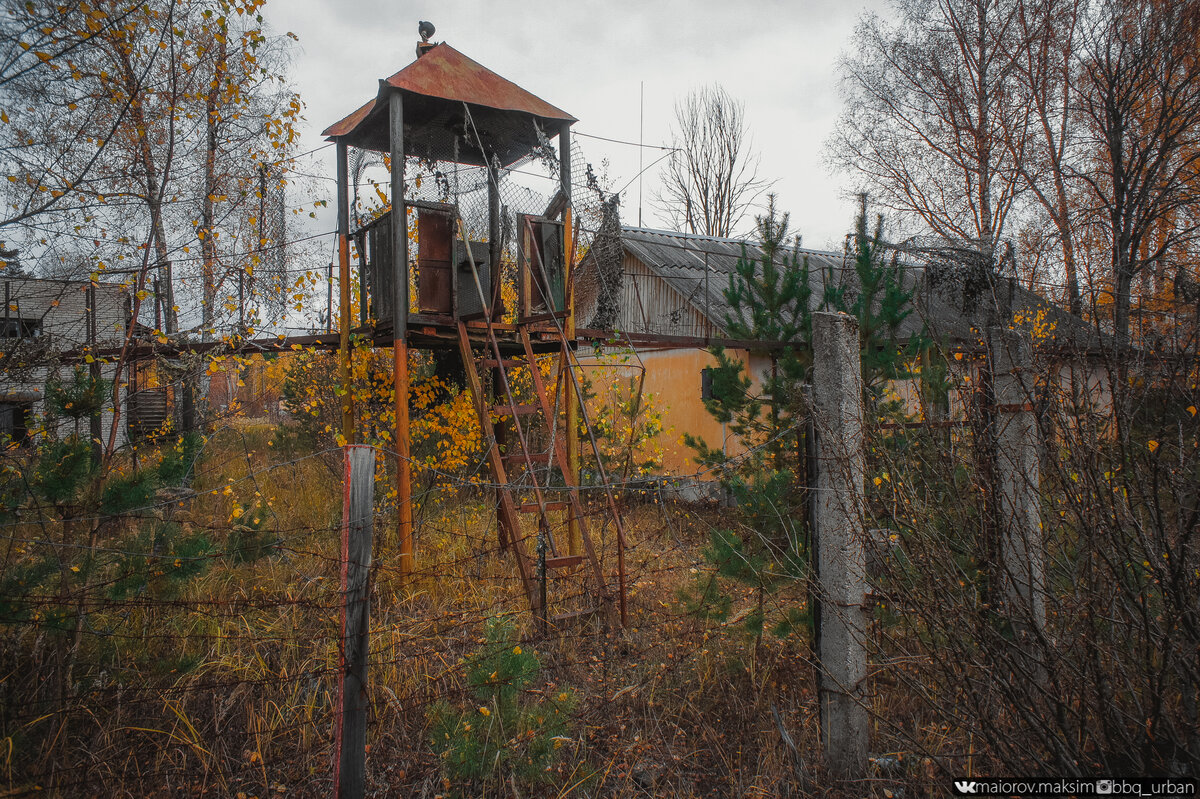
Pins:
x: 496, y: 313
x: 496, y: 307
x: 571, y: 404
x: 506, y: 532
x: 343, y: 229
x: 400, y: 335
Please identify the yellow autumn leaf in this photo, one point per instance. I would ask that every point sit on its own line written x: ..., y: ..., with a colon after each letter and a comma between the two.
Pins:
x: 1153, y: 445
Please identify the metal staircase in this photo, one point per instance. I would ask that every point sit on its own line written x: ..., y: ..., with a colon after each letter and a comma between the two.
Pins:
x: 529, y: 465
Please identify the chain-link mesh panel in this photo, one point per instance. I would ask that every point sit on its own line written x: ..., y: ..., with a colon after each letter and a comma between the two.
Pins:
x: 460, y: 191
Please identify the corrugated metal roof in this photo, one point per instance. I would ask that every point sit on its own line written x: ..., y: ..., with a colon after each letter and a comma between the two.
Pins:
x: 435, y: 87
x: 698, y: 268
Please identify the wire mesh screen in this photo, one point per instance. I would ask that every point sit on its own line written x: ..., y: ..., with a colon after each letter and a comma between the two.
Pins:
x: 450, y: 269
x: 241, y: 277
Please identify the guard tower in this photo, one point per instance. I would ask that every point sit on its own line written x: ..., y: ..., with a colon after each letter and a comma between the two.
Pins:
x: 453, y: 268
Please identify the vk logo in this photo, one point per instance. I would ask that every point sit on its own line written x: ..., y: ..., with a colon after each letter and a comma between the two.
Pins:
x: 963, y: 787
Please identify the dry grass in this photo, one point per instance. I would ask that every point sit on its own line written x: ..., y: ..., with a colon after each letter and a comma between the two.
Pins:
x: 227, y: 687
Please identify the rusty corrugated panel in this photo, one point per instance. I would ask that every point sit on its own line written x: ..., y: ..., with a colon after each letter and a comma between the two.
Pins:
x: 446, y: 74
x: 348, y: 124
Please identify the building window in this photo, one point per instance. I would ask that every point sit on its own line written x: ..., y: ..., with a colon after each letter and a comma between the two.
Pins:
x: 15, y: 421
x: 13, y: 327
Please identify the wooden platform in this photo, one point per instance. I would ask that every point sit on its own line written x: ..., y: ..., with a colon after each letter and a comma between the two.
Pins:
x: 432, y: 335
x: 441, y: 333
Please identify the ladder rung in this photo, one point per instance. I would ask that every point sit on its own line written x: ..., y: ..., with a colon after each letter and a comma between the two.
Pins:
x: 564, y: 561
x: 521, y: 410
x: 534, y: 457
x: 492, y: 363
x: 544, y: 317
x: 532, y: 507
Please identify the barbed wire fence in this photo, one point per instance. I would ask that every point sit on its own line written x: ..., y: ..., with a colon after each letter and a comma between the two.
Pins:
x: 190, y: 643
x: 182, y: 650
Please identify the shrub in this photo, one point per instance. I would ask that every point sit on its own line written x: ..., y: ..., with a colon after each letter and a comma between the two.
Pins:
x: 508, y: 732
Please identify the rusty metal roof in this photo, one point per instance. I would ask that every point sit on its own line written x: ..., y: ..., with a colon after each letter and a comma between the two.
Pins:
x: 434, y: 87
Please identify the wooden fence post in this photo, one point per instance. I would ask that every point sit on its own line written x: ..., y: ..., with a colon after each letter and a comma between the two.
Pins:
x: 840, y: 535
x: 94, y: 424
x: 358, y: 515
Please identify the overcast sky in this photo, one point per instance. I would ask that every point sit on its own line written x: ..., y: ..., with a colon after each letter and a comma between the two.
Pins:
x: 590, y: 59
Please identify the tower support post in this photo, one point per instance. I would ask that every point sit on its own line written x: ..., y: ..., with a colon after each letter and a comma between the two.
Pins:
x: 571, y: 403
x: 400, y: 335
x: 343, y: 241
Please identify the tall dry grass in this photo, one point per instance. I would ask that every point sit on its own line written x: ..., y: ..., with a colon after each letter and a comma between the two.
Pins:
x: 226, y: 684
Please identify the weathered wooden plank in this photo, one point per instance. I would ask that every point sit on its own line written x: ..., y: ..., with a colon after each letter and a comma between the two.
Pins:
x: 513, y: 410
x: 549, y: 507
x: 358, y: 514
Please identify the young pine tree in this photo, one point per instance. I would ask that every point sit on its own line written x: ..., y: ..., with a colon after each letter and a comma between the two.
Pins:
x: 771, y: 301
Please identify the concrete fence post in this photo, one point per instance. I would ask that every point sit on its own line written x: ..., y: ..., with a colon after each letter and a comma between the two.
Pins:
x: 838, y: 519
x: 1017, y: 480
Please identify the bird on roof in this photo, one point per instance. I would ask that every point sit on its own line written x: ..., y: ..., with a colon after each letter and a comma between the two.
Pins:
x: 426, y: 30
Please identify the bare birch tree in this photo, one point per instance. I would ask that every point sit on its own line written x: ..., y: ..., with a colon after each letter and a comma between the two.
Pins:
x: 928, y: 124
x: 1139, y: 95
x: 1048, y: 159
x: 712, y: 178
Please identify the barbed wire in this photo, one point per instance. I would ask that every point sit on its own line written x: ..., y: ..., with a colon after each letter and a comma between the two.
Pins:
x: 222, y: 671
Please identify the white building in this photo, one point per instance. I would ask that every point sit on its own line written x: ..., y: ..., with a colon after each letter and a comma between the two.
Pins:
x: 46, y: 325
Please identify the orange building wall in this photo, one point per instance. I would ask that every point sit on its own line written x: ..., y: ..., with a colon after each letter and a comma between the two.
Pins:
x: 673, y: 379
